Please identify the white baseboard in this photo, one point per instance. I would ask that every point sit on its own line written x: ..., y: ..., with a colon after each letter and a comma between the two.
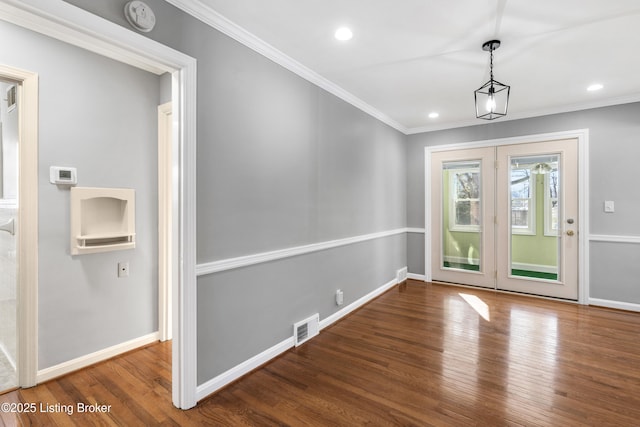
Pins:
x: 242, y: 369
x: 93, y: 358
x: 258, y: 360
x: 629, y: 306
x: 416, y: 276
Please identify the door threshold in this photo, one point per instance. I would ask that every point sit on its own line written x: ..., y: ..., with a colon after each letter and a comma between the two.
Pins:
x: 504, y: 291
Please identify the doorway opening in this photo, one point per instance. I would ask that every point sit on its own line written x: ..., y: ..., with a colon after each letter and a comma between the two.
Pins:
x: 66, y: 22
x: 18, y: 227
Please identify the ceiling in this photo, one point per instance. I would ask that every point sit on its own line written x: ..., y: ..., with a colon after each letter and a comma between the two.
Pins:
x: 412, y: 57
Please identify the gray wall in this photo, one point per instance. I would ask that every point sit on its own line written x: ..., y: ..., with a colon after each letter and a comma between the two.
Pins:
x: 281, y: 163
x: 261, y: 302
x: 614, y: 150
x: 100, y: 116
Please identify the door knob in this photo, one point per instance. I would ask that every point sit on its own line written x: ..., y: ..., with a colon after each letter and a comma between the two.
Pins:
x: 570, y: 233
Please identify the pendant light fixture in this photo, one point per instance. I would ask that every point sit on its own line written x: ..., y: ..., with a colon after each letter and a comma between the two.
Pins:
x: 492, y: 98
x: 541, y: 168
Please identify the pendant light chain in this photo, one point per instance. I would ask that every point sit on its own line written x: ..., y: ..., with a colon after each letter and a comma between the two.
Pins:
x: 491, y: 63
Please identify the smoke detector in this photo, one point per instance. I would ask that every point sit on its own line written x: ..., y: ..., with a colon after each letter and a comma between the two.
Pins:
x: 140, y: 16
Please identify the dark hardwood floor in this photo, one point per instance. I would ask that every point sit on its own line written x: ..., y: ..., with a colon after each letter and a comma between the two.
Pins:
x: 421, y: 354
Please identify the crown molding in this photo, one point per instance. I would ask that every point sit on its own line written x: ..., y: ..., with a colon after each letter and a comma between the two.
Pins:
x: 568, y: 108
x: 214, y: 19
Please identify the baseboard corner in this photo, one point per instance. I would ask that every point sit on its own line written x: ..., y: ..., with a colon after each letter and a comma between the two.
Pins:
x: 81, y: 362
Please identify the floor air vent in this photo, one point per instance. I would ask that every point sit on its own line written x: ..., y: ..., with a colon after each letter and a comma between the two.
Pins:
x: 306, y: 329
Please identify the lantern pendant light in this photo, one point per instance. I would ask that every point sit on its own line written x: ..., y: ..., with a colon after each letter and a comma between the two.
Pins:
x: 492, y: 98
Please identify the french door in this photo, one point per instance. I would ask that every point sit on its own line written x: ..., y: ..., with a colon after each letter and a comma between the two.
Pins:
x: 462, y: 183
x: 506, y: 217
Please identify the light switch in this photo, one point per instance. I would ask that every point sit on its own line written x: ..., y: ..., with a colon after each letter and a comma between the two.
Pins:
x: 609, y: 206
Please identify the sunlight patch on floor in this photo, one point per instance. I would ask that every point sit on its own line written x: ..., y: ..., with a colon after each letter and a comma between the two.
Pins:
x: 478, y: 305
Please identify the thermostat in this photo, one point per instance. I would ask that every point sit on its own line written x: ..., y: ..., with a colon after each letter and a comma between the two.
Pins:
x: 62, y: 175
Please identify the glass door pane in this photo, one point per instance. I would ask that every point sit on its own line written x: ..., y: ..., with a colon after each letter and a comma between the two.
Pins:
x: 535, y: 250
x: 462, y: 215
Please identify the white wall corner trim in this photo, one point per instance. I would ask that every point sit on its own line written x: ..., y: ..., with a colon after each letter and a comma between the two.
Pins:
x: 245, y: 261
x: 93, y: 358
x: 416, y: 276
x: 258, y: 360
x: 628, y: 306
x: 209, y: 16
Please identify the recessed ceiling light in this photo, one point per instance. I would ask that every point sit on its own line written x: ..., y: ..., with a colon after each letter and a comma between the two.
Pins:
x: 343, y: 34
x: 434, y: 115
x: 594, y: 87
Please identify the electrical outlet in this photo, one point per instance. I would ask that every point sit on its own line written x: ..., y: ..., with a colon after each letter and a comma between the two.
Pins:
x: 123, y: 269
x: 339, y: 297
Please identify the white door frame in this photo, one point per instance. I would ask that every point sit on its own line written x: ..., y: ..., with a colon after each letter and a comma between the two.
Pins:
x: 582, y: 135
x: 165, y: 209
x: 78, y: 27
x: 27, y: 243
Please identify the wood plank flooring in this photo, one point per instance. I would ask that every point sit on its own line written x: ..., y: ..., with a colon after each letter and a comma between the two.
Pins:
x: 419, y: 355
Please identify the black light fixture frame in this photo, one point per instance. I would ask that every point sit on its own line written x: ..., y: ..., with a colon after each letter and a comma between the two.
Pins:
x: 491, y: 88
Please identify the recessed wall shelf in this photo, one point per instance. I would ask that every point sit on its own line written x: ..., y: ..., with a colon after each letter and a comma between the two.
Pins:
x: 102, y: 220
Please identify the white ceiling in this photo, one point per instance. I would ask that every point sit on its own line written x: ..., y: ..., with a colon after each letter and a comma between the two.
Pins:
x: 411, y: 57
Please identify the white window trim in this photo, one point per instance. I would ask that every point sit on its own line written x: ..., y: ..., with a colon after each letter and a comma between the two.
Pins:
x: 530, y: 230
